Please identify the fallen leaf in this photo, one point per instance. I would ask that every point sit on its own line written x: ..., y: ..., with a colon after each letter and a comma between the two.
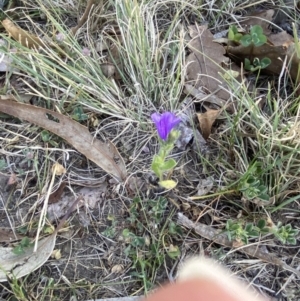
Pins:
x: 27, y: 262
x: 105, y: 155
x: 25, y: 38
x: 206, y: 121
x: 263, y: 19
x: 204, y: 186
x: 90, y: 195
x: 206, y: 62
x: 108, y: 69
x: 56, y: 195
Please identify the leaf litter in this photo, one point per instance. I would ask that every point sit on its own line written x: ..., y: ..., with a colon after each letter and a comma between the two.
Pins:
x: 105, y: 155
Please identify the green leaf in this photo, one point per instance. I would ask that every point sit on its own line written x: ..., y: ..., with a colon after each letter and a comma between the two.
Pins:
x: 265, y: 62
x: 18, y: 250
x: 45, y: 135
x: 256, y: 29
x: 2, y: 164
x: 25, y: 242
x: 238, y: 37
x: 259, y: 40
x: 292, y: 240
x: 126, y: 233
x: 261, y: 224
x: 232, y: 32
x: 156, y: 164
x: 249, y: 227
x: 246, y: 40
x: 168, y: 184
x: 247, y: 64
x: 264, y: 197
x: 174, y: 252
x: 168, y: 165
x: 253, y: 233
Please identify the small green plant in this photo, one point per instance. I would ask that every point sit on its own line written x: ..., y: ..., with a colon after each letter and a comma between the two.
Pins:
x: 235, y: 230
x: 233, y: 34
x: 257, y: 64
x: 21, y: 247
x: 110, y: 231
x: 256, y: 37
x: 149, y: 238
x: 78, y: 114
x: 251, y: 184
x: 286, y: 234
x: 48, y: 138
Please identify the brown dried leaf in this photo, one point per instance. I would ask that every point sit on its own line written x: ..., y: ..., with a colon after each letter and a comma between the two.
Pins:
x: 108, y: 69
x: 276, y: 54
x: 25, y: 38
x: 206, y: 121
x: 205, y: 62
x: 56, y: 195
x: 263, y: 19
x: 105, y: 155
x: 90, y: 195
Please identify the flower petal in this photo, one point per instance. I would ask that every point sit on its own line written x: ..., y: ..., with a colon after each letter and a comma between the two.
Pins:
x: 165, y: 123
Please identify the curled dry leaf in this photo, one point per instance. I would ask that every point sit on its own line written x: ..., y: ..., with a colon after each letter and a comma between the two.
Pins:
x: 58, y: 169
x: 206, y: 121
x: 105, y: 155
x: 25, y: 38
x: 90, y: 195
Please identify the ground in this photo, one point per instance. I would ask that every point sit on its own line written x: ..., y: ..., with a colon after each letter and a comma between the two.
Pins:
x: 109, y: 65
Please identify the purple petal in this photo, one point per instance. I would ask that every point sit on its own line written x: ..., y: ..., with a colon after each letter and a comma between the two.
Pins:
x: 165, y: 123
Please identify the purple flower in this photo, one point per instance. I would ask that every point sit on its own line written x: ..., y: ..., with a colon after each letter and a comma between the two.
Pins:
x: 165, y: 123
x: 60, y: 37
x: 86, y: 51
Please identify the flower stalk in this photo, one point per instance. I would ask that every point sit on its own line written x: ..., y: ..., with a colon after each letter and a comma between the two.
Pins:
x: 165, y: 124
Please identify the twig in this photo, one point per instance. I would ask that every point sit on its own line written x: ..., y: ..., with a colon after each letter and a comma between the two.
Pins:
x: 221, y: 238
